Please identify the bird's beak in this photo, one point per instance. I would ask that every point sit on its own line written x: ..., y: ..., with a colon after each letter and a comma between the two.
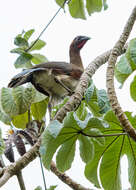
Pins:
x: 85, y: 38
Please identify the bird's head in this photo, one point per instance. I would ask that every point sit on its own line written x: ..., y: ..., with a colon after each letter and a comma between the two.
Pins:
x: 78, y: 43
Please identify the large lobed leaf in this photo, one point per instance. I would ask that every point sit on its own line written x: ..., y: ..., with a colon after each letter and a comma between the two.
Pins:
x: 65, y: 135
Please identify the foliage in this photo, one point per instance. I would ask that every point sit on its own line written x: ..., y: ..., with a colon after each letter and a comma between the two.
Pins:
x: 79, y: 8
x: 25, y: 49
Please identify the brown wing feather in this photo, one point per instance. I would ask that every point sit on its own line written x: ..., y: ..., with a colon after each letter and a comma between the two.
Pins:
x: 61, y: 68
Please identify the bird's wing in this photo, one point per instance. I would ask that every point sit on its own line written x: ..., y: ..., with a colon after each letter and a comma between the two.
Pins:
x: 59, y: 68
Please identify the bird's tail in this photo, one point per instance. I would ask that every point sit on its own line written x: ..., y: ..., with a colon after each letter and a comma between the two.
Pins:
x: 23, y: 77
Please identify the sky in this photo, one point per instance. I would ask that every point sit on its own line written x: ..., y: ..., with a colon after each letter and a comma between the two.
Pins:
x: 104, y: 28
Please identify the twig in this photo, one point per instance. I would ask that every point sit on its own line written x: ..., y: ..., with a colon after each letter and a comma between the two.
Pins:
x: 44, y: 181
x: 66, y: 179
x: 47, y: 25
x: 21, y: 180
x: 110, y: 76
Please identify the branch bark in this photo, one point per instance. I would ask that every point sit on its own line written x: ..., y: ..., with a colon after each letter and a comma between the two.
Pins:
x: 66, y: 179
x: 110, y: 76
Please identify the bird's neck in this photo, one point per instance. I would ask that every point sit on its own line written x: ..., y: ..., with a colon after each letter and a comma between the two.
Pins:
x: 75, y: 58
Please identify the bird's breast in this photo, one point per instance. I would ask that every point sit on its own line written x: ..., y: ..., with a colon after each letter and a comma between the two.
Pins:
x: 47, y: 81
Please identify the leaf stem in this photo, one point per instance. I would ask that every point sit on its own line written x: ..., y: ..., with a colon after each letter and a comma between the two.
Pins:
x: 106, y: 135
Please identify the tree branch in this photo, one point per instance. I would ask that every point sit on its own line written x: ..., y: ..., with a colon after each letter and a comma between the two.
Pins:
x: 110, y: 76
x: 66, y: 179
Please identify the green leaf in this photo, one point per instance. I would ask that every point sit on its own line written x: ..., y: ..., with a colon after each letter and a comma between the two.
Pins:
x: 71, y: 123
x: 112, y: 120
x: 112, y: 146
x: 38, y: 45
x: 110, y: 165
x: 38, y: 109
x: 94, y: 108
x: 50, y: 142
x: 8, y: 103
x: 60, y: 2
x: 133, y: 89
x: 96, y: 132
x: 103, y: 101
x: 17, y: 50
x: 21, y: 42
x: 97, y: 123
x: 52, y: 187
x: 76, y: 9
x: 4, y: 117
x: 131, y: 53
x: 82, y: 112
x: 28, y: 34
x: 22, y: 60
x: 92, y: 166
x: 105, y: 5
x: 93, y: 6
x: 38, y: 188
x: 2, y: 146
x: 55, y: 135
x: 23, y: 98
x: 130, y: 151
x: 20, y: 121
x: 36, y: 96
x: 92, y: 100
x: 65, y: 155
x: 90, y: 92
x: 38, y: 58
x: 122, y: 70
x: 86, y: 149
x: 131, y: 118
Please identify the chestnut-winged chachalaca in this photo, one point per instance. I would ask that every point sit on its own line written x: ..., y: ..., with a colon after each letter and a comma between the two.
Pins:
x: 55, y: 79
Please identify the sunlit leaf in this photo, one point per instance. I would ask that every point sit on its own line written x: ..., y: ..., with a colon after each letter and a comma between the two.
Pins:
x: 20, y: 121
x: 76, y: 9
x: 133, y: 89
x: 38, y: 45
x: 93, y: 6
x: 38, y: 58
x: 52, y: 187
x: 28, y: 34
x: 38, y: 109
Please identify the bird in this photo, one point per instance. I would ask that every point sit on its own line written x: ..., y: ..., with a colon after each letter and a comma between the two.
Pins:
x: 55, y: 79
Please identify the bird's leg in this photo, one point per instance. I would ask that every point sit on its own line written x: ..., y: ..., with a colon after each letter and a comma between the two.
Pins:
x: 57, y: 79
x: 50, y: 107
